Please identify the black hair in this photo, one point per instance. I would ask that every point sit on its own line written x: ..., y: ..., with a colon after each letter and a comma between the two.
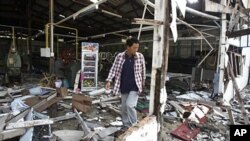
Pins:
x: 131, y: 41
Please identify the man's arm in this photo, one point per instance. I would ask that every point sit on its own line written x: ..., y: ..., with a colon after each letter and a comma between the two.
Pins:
x: 143, y: 71
x: 111, y: 73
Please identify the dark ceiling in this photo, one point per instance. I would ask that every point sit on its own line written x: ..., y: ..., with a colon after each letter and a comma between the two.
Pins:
x: 35, y: 14
x: 19, y: 13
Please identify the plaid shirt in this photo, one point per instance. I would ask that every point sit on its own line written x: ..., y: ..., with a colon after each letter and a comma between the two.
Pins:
x: 139, y: 71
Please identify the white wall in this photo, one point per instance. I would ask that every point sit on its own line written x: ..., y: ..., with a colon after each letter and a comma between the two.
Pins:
x: 241, y: 80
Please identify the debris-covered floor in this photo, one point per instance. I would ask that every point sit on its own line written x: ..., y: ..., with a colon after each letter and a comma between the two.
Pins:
x: 29, y: 111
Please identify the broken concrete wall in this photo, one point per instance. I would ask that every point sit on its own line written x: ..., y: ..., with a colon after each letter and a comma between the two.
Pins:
x: 146, y: 129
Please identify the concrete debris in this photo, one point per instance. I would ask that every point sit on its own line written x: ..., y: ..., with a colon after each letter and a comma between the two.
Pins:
x: 202, y: 110
x: 99, y: 118
x: 68, y: 135
x: 16, y: 102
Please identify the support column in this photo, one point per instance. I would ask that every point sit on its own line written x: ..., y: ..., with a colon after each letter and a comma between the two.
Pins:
x: 219, y: 85
x: 29, y: 47
x: 52, y: 56
x: 160, y: 61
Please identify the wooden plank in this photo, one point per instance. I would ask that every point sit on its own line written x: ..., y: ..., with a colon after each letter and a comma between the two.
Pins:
x: 33, y: 101
x: 107, y: 131
x: 51, y: 96
x: 112, y: 108
x: 68, y: 135
x: 177, y: 107
x: 47, y: 104
x: 106, y: 99
x: 56, y: 119
x: 8, y: 134
x: 81, y: 107
x: 2, y: 121
x: 30, y: 123
x: 203, y: 102
x: 5, y: 100
x: 230, y: 115
x: 19, y: 116
x: 86, y: 100
x: 63, y: 91
x: 237, y: 93
x: 84, y: 126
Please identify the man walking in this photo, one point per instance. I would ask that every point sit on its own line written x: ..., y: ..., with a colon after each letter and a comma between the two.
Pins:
x: 128, y: 70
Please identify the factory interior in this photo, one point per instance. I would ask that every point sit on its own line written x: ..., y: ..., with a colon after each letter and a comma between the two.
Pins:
x: 56, y: 55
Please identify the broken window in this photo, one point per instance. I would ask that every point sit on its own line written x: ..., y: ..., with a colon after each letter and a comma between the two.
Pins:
x: 236, y: 60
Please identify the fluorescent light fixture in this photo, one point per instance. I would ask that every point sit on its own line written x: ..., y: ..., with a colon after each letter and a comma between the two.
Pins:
x: 60, y: 15
x: 95, y: 1
x: 123, y: 40
x: 72, y: 33
x: 97, y: 36
x: 146, y: 28
x: 192, y: 1
x: 91, y: 10
x: 111, y: 13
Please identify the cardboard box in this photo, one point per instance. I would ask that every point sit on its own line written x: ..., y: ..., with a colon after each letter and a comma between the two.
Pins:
x: 81, y: 107
x: 81, y: 102
x: 62, y: 91
x: 83, y: 99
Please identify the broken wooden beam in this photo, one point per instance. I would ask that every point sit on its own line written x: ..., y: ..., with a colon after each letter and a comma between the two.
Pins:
x: 83, y: 125
x: 178, y: 108
x: 147, y: 21
x: 56, y: 119
x: 113, y: 109
x: 19, y: 116
x: 107, y: 131
x: 230, y: 115
x: 5, y: 100
x: 45, y: 103
x: 237, y: 93
x: 30, y: 123
x: 2, y: 121
x: 8, y: 134
x: 105, y: 99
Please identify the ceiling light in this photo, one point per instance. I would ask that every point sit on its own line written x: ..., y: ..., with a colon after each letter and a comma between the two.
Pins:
x: 111, y: 13
x: 192, y: 1
x: 60, y: 15
x: 95, y: 1
x: 98, y: 36
x: 146, y: 28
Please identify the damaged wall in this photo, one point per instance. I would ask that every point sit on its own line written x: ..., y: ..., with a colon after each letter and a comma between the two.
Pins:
x: 146, y: 129
x: 241, y: 80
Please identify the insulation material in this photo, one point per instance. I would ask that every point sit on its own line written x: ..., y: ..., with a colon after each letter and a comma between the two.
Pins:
x: 182, y: 6
x: 163, y: 99
x: 173, y: 24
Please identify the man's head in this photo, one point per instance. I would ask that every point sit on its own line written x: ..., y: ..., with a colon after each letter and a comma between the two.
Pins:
x: 132, y: 45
